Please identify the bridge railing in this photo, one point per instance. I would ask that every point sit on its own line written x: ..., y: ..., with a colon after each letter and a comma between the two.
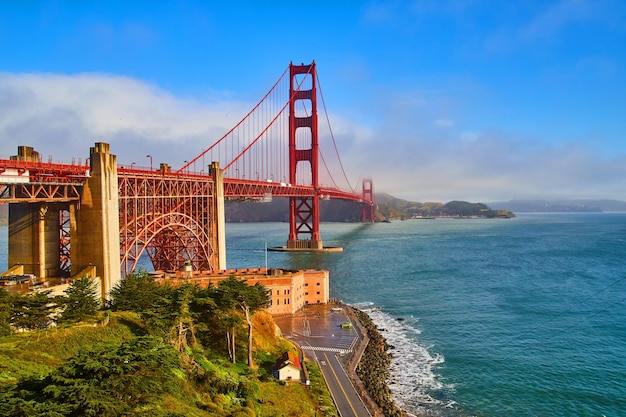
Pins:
x: 14, y: 171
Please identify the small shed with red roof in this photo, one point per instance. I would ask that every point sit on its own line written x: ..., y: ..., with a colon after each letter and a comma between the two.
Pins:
x: 288, y: 367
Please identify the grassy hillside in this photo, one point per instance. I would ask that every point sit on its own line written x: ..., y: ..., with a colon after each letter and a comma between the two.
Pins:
x: 123, y: 371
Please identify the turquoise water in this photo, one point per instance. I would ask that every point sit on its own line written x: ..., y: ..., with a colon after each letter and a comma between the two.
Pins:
x: 507, y: 317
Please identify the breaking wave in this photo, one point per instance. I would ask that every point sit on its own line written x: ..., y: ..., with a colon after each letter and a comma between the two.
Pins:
x: 413, y: 381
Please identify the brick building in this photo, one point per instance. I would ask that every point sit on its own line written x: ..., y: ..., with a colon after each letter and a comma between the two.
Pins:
x: 290, y: 289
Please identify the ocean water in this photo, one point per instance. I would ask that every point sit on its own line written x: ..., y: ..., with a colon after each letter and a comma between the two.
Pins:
x: 502, y: 317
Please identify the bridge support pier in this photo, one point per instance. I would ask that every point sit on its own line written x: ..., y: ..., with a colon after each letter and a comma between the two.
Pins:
x: 94, y: 224
x: 34, y: 236
x: 219, y: 236
x: 34, y: 231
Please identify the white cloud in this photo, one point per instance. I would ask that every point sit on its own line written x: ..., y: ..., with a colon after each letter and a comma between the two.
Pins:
x: 59, y: 115
x: 486, y: 166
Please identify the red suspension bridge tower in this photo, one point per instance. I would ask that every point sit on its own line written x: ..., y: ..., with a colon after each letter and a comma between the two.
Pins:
x: 304, y: 217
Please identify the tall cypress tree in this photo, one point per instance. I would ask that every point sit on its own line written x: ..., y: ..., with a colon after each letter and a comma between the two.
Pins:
x: 248, y: 298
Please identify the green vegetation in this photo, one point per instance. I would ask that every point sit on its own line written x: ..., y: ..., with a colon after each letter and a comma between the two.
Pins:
x: 81, y: 301
x: 156, y: 351
x: 395, y: 208
x: 319, y: 391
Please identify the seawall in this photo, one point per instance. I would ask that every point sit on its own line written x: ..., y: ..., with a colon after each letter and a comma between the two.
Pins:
x: 370, y: 363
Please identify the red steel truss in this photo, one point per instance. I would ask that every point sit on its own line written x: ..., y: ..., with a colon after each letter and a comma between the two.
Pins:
x: 24, y: 181
x: 64, y: 242
x: 168, y: 216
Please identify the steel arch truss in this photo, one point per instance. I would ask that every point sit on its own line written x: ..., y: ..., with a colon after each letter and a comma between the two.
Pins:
x: 170, y: 218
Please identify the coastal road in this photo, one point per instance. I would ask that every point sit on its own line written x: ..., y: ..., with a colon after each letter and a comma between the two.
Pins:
x: 317, y: 330
x: 346, y: 398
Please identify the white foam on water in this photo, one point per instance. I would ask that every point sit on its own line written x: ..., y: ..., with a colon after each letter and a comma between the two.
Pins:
x: 413, y: 379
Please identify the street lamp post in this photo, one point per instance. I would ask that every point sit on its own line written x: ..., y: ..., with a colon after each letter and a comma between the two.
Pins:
x: 150, y: 156
x: 132, y: 165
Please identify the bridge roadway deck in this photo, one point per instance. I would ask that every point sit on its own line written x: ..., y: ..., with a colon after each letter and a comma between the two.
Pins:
x: 317, y: 330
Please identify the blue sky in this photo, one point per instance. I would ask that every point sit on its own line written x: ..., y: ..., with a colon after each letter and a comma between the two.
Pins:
x: 434, y: 100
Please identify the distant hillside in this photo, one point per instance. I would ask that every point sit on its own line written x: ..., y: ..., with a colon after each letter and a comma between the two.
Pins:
x: 387, y: 208
x: 395, y: 208
x: 560, y: 206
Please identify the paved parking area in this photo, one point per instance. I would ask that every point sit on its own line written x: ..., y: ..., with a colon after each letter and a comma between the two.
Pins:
x: 319, y: 332
x: 319, y: 327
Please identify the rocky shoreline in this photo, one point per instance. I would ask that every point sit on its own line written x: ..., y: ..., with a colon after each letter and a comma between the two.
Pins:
x: 372, y: 367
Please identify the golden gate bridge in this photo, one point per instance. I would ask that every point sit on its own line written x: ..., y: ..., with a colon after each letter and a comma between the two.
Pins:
x: 98, y: 209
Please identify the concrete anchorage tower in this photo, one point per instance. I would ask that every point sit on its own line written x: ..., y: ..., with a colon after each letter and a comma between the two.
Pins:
x: 94, y: 223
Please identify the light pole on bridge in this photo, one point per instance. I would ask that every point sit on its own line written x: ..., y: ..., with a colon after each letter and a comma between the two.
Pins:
x: 150, y: 156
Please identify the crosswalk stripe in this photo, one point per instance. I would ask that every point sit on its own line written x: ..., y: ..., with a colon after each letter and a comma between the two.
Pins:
x: 329, y: 349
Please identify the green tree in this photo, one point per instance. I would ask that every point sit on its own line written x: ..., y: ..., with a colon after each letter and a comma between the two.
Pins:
x: 114, y: 382
x: 165, y: 310
x: 32, y: 311
x: 5, y: 312
x: 81, y: 300
x: 105, y: 382
x: 204, y: 311
x: 248, y: 298
x: 182, y: 329
x: 136, y: 292
x: 160, y: 315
